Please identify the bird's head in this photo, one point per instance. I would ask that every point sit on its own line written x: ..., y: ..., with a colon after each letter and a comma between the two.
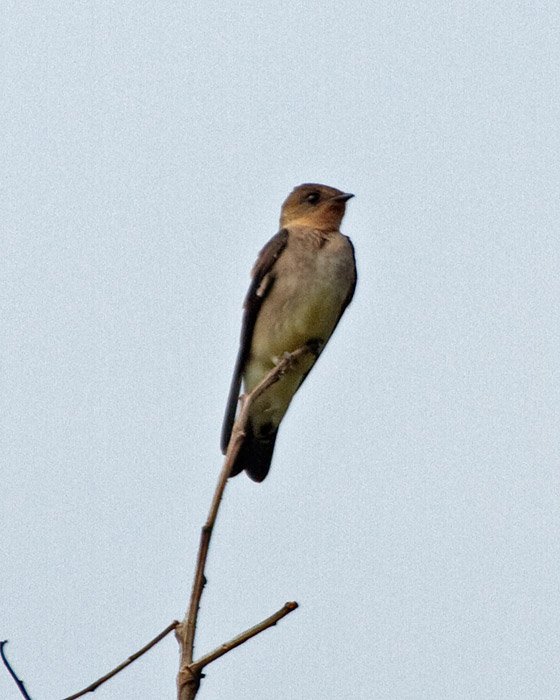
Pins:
x: 317, y: 206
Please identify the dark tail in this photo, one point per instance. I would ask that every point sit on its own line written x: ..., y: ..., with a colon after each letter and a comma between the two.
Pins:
x: 255, y: 455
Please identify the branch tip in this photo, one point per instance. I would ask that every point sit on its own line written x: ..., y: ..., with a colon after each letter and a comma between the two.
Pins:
x: 11, y: 671
x: 286, y: 609
x: 126, y: 663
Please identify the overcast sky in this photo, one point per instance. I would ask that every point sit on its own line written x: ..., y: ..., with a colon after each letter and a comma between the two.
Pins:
x: 412, y: 505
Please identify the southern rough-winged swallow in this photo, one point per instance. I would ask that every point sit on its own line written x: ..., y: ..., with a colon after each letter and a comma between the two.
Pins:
x: 302, y: 282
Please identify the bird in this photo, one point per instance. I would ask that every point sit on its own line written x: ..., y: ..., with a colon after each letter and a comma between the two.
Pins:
x: 302, y: 282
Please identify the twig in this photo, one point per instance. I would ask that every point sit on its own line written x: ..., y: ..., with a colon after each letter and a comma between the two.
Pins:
x: 124, y: 664
x: 18, y: 682
x: 197, y: 666
x: 187, y: 681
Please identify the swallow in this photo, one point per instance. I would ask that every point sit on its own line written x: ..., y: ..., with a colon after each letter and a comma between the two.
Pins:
x: 302, y: 281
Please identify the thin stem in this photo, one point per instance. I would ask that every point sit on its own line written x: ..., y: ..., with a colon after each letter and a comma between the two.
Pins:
x: 126, y: 663
x: 238, y: 434
x: 18, y: 682
x: 197, y: 666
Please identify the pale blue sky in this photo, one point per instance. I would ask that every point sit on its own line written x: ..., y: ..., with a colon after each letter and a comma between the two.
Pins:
x: 412, y: 506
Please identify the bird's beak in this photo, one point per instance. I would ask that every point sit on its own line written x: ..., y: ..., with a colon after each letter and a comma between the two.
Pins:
x: 344, y: 197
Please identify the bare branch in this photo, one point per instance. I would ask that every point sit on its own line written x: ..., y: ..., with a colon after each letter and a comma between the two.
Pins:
x: 187, y: 682
x: 124, y: 664
x: 18, y: 682
x: 197, y: 666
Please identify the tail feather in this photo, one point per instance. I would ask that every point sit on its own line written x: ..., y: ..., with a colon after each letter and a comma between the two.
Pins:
x: 255, y: 455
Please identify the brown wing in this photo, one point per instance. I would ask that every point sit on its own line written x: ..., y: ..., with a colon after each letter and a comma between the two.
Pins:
x: 253, y: 302
x: 353, y: 288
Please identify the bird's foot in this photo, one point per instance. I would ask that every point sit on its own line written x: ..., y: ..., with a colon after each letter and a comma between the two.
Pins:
x: 315, y: 346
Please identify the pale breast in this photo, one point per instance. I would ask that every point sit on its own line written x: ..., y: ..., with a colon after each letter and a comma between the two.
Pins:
x: 311, y: 284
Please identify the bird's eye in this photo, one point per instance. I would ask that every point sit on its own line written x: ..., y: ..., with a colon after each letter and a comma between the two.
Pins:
x: 312, y: 197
